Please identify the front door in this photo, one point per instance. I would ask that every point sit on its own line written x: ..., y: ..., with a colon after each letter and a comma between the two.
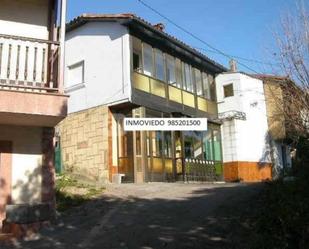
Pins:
x: 5, y: 176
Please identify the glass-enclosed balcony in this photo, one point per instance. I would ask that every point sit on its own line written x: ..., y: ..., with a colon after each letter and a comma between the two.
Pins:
x: 159, y: 88
x: 165, y: 76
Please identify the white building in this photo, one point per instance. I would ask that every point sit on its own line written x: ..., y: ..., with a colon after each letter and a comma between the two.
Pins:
x: 250, y: 151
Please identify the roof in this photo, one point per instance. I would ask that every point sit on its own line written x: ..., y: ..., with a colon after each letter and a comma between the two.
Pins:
x: 270, y: 77
x: 84, y: 18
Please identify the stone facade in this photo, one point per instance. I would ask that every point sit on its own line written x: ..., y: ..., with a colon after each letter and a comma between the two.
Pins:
x: 84, y: 144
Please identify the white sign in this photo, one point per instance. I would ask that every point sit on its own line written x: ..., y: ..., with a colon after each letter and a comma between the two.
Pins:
x: 165, y: 124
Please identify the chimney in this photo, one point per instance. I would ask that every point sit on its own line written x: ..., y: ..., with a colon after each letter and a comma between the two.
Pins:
x: 159, y: 26
x: 233, y: 65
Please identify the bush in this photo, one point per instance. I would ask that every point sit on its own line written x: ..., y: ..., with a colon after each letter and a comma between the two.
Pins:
x: 283, y: 220
x: 66, y: 200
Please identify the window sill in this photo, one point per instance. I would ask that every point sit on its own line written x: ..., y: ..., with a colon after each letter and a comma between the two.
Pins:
x: 75, y: 87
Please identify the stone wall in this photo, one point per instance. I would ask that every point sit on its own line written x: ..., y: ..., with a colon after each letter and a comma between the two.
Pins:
x: 84, y: 144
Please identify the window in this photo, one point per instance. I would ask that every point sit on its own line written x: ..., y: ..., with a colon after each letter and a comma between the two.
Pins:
x: 167, y: 144
x: 136, y: 62
x: 170, y: 70
x: 148, y: 60
x: 179, y: 74
x: 212, y: 87
x: 198, y: 82
x: 76, y: 74
x: 159, y: 58
x: 156, y: 143
x: 217, y: 145
x: 193, y: 144
x: 228, y: 90
x: 188, y: 78
x: 206, y: 85
x: 208, y: 145
x: 137, y: 55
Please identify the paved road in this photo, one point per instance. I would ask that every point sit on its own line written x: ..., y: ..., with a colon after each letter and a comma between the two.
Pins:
x: 151, y: 216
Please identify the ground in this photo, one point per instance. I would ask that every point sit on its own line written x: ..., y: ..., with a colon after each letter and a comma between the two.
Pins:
x: 155, y: 215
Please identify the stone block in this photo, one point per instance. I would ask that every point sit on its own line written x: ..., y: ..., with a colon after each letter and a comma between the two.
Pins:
x: 28, y: 213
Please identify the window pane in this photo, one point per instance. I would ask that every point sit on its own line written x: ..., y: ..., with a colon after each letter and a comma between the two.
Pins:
x: 148, y: 60
x: 170, y: 70
x: 122, y: 140
x: 179, y: 74
x: 188, y: 78
x: 137, y: 54
x: 193, y: 144
x: 188, y: 144
x: 138, y: 143
x: 207, y: 145
x: 168, y: 144
x: 228, y: 90
x: 206, y: 86
x: 156, y: 140
x: 198, y: 82
x: 212, y: 87
x: 217, y: 145
x: 159, y: 65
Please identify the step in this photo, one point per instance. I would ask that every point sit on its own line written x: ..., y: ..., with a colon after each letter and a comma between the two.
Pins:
x: 6, y: 236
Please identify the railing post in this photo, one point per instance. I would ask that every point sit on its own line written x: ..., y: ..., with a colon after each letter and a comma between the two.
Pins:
x: 61, y: 47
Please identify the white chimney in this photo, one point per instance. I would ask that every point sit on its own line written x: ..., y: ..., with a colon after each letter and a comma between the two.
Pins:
x: 233, y: 65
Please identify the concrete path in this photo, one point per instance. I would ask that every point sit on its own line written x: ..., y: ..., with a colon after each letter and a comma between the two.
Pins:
x: 155, y: 215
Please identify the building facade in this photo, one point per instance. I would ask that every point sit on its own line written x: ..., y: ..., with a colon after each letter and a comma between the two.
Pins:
x: 122, y: 66
x: 253, y: 127
x: 32, y: 102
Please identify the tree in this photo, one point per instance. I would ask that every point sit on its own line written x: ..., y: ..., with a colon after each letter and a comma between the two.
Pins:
x: 292, y: 40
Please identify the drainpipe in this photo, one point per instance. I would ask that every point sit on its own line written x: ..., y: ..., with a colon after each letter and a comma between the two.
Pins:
x: 62, y: 44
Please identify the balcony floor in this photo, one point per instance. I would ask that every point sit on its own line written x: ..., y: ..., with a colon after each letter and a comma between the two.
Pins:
x: 32, y: 108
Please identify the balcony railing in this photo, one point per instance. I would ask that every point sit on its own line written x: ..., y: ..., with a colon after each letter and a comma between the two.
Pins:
x: 150, y: 85
x: 28, y: 64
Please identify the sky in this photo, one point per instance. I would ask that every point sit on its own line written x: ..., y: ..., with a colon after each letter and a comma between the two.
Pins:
x: 242, y: 28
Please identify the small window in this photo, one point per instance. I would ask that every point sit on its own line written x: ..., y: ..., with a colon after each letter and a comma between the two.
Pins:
x: 75, y: 74
x: 228, y: 90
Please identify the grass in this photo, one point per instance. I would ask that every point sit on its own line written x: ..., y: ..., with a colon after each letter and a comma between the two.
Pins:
x: 66, y: 200
x: 282, y: 216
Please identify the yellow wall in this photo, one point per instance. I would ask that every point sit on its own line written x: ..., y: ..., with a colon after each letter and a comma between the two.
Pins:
x: 274, y: 107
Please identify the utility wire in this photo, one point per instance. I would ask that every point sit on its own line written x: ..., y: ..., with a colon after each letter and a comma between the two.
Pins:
x: 194, y: 36
x: 242, y: 58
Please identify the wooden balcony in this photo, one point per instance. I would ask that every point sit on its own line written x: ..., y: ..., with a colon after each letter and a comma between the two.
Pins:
x: 28, y: 64
x: 30, y: 90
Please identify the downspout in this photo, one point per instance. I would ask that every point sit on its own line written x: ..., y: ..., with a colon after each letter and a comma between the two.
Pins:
x: 62, y: 46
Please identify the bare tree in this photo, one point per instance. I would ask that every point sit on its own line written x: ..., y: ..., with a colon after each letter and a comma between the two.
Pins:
x: 292, y: 40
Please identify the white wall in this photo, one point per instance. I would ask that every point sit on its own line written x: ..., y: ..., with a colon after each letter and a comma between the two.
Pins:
x: 104, y: 47
x: 244, y: 140
x: 26, y: 162
x: 27, y: 18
